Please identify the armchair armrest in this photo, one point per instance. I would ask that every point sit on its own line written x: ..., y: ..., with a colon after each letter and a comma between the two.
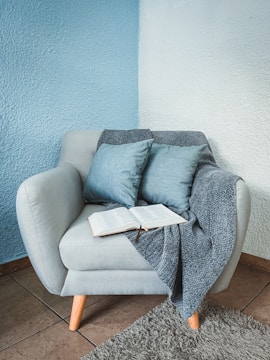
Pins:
x: 210, y: 193
x: 243, y: 207
x: 46, y: 205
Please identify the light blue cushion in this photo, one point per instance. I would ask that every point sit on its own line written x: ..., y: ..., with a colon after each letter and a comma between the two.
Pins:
x: 168, y: 175
x: 115, y: 173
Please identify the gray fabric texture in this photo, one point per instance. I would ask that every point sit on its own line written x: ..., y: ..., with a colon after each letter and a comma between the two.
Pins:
x: 189, y: 257
x: 118, y: 137
x: 162, y: 335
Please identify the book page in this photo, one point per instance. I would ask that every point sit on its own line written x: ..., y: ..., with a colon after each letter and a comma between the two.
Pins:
x: 112, y: 221
x: 152, y: 216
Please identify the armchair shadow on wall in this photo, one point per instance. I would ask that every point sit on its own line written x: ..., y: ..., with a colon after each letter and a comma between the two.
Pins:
x: 52, y: 217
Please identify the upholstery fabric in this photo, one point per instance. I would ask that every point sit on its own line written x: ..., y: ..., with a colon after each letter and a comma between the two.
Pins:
x: 104, y: 282
x: 46, y: 204
x: 79, y: 250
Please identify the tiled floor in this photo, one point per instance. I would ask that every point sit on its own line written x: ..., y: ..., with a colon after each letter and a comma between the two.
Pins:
x: 34, y: 324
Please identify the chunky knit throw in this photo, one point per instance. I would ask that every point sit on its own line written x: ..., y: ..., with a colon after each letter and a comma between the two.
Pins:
x: 189, y: 257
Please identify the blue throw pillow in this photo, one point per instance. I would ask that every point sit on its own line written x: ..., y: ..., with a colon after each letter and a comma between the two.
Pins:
x: 115, y: 173
x: 168, y: 175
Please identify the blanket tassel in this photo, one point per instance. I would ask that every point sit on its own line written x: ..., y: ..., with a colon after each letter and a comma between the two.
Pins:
x: 193, y: 321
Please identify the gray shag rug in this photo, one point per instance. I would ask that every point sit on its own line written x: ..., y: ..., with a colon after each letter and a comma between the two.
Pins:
x: 163, y: 335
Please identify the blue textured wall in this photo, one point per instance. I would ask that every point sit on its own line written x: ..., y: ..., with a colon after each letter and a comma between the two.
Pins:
x: 64, y: 64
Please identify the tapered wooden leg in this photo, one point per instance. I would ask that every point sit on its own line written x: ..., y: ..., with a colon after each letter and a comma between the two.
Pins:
x: 194, y: 321
x: 77, y: 311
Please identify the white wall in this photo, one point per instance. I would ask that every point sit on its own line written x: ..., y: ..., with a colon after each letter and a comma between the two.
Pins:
x: 205, y: 65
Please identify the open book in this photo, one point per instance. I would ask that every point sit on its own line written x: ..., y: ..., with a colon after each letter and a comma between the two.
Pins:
x: 122, y: 219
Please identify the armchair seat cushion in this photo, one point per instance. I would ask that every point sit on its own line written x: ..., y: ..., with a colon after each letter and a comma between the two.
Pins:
x: 79, y: 250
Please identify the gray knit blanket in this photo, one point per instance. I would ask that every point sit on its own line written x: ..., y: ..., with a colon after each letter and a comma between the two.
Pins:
x: 189, y: 257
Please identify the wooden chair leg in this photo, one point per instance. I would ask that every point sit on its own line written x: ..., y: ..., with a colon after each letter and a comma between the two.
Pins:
x: 77, y: 311
x: 194, y: 321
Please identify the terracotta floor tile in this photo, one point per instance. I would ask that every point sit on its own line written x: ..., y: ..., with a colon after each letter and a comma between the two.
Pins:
x: 53, y: 343
x: 30, y: 330
x: 111, y: 315
x: 21, y: 314
x: 61, y: 305
x: 259, y: 308
x: 4, y: 278
x: 246, y: 283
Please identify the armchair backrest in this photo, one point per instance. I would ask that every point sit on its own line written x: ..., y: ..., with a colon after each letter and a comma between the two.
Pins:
x: 78, y: 149
x: 79, y: 146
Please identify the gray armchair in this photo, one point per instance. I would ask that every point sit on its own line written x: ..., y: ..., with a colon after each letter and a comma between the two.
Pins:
x: 67, y: 259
